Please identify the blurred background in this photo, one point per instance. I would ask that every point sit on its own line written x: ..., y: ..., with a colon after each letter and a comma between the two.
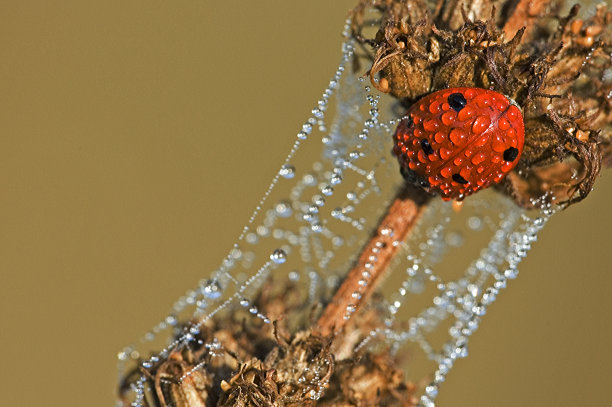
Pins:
x: 136, y: 139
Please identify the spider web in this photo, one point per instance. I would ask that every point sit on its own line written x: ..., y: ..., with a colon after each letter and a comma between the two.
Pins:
x: 314, y: 217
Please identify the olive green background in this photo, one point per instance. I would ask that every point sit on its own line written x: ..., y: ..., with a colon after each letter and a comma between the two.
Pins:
x: 137, y: 137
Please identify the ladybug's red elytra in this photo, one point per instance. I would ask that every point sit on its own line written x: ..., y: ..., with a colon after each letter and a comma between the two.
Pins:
x: 457, y: 141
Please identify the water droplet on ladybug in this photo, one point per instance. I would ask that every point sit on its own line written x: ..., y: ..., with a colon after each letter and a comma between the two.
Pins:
x: 460, y: 141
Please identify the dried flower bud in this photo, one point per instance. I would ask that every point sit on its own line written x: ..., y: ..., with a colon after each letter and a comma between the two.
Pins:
x: 556, y: 69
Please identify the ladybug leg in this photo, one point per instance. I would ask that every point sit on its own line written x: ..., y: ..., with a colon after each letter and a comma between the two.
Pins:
x: 399, y: 107
x: 413, y: 178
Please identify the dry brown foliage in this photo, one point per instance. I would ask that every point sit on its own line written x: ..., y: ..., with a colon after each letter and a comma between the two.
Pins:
x: 257, y: 364
x: 552, y: 63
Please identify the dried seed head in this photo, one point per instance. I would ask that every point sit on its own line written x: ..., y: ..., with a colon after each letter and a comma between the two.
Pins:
x: 256, y: 364
x: 557, y: 69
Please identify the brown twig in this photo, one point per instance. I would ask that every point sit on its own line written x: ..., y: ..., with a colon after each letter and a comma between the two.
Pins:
x: 396, y: 224
x: 517, y: 19
x: 523, y: 15
x: 554, y: 68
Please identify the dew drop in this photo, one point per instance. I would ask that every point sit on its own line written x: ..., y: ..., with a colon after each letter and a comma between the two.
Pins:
x: 426, y: 402
x: 448, y: 118
x: 500, y: 284
x: 474, y: 223
x: 252, y: 238
x: 459, y: 161
x: 513, y: 113
x: 503, y: 123
x: 318, y: 200
x: 307, y: 128
x: 431, y: 390
x: 327, y: 190
x: 287, y: 171
x: 454, y: 239
x: 337, y: 213
x: 446, y: 172
x: 278, y: 256
x: 283, y: 209
x: 309, y: 180
x: 212, y: 289
x: 123, y: 355
x: 445, y: 153
x: 439, y: 137
x: 458, y: 137
x: 316, y: 227
x: 481, y: 124
x: 386, y: 231
x: 431, y: 125
x: 478, y: 158
x: 171, y: 320
x: 263, y: 231
x: 435, y: 107
x: 511, y: 273
x: 313, y: 208
x: 461, y: 351
x: 337, y: 241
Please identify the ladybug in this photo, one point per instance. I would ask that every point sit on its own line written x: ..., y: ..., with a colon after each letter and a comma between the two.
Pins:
x: 457, y: 141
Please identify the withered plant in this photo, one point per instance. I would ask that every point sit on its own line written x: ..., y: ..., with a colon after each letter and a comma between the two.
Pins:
x: 553, y: 64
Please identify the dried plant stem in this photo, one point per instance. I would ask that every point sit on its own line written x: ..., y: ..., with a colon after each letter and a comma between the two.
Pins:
x: 377, y: 255
x: 523, y: 15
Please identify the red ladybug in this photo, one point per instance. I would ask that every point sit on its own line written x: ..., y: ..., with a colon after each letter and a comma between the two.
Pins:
x: 457, y: 141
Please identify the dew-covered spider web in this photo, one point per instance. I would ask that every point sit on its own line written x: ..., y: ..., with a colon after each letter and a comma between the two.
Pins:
x: 319, y: 211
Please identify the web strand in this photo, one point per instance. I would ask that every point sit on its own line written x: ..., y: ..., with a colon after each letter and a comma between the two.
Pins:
x: 310, y: 229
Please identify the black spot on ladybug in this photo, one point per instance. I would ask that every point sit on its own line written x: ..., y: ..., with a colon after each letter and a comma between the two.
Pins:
x: 426, y: 147
x: 413, y: 178
x: 510, y: 154
x: 456, y: 101
x: 459, y: 179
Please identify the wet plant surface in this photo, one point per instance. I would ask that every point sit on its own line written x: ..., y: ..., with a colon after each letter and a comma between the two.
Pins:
x: 553, y: 64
